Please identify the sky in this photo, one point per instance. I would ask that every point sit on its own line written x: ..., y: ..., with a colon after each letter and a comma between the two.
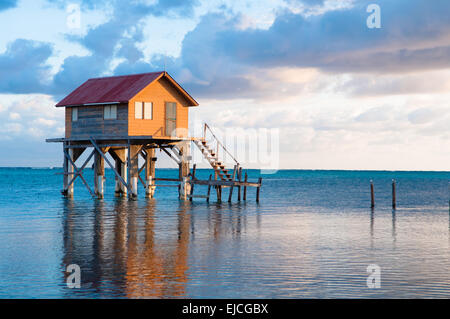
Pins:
x: 338, y: 94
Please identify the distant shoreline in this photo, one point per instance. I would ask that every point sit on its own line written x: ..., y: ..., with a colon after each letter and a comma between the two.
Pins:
x: 256, y: 169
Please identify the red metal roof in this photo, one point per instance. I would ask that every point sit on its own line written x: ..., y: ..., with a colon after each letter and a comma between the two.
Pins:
x: 114, y: 89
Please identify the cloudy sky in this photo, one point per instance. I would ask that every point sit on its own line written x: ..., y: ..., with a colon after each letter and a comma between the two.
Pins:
x: 342, y: 95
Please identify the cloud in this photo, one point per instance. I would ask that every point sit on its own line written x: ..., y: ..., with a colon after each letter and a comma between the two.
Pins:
x: 422, y: 116
x: 362, y: 85
x: 24, y: 67
x: 32, y: 116
x: 375, y: 114
x: 8, y: 4
x: 115, y: 39
x: 412, y: 32
x: 220, y: 59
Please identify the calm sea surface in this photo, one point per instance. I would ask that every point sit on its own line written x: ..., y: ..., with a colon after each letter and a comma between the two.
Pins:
x: 312, y: 235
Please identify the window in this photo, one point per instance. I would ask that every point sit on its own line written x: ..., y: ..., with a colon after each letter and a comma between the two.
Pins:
x: 143, y: 110
x: 110, y: 112
x: 138, y: 112
x: 148, y: 110
x: 74, y: 114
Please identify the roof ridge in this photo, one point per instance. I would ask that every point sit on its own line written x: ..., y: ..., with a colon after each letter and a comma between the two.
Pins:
x: 124, y: 76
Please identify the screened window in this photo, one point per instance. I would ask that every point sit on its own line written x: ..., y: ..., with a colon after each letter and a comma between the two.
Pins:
x: 138, y: 110
x: 148, y: 110
x: 110, y: 112
x: 74, y: 114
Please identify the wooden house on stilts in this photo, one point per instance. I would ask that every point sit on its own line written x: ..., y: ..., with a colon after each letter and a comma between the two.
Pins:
x: 129, y: 117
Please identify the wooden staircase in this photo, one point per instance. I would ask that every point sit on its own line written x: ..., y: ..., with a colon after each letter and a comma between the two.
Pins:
x: 211, y: 156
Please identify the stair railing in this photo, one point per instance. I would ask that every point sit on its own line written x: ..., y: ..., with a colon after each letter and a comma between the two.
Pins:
x: 218, y: 143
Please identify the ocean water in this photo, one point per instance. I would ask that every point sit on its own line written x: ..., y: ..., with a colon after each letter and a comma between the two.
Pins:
x: 312, y: 235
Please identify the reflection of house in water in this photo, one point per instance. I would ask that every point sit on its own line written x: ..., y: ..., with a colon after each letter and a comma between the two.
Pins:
x: 132, y: 249
x: 117, y: 250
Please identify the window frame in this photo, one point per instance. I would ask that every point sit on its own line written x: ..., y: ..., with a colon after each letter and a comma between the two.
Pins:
x: 107, y: 112
x: 145, y: 105
x: 138, y: 105
x: 74, y: 114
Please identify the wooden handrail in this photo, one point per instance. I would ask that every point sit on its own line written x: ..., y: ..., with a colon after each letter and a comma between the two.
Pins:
x: 218, y: 143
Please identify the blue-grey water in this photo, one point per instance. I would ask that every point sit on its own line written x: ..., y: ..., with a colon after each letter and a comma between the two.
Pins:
x: 312, y: 235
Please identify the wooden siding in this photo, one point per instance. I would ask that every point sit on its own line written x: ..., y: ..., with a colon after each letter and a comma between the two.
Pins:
x: 158, y: 92
x: 91, y: 123
x: 68, y: 121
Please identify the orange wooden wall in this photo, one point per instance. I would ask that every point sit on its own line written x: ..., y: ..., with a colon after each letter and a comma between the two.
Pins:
x: 68, y: 121
x: 158, y: 93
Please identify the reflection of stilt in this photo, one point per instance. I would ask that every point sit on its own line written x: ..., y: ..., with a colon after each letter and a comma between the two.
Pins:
x: 394, y: 221
x: 372, y: 222
x: 151, y: 271
x: 117, y: 249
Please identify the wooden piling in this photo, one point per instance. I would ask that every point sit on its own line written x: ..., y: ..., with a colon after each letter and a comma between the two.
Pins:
x: 257, y: 189
x: 70, y: 172
x: 194, y: 168
x: 239, y: 187
x: 219, y: 193
x: 99, y: 174
x: 231, y: 187
x: 209, y: 189
x: 245, y: 187
x: 394, y: 199
x: 150, y: 161
x: 372, y: 195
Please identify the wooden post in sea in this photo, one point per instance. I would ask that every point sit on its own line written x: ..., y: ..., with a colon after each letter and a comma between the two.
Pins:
x: 99, y: 174
x: 245, y: 187
x: 209, y: 189
x: 70, y: 172
x: 231, y: 187
x: 372, y: 195
x: 257, y: 189
x: 133, y: 162
x: 194, y: 168
x: 240, y: 179
x: 150, y: 162
x: 394, y: 199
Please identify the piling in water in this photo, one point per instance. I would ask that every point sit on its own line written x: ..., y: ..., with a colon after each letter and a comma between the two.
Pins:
x: 394, y: 204
x: 372, y: 195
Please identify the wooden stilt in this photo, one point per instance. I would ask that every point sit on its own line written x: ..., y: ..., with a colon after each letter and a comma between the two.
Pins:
x: 117, y: 188
x: 209, y: 189
x: 109, y: 164
x: 77, y: 172
x: 258, y: 189
x: 124, y: 173
x: 245, y: 187
x: 394, y: 199
x: 231, y: 188
x: 65, y: 172
x: 133, y: 162
x: 194, y: 168
x: 183, y: 169
x: 99, y: 174
x: 239, y: 187
x: 70, y: 172
x: 372, y: 195
x: 150, y: 163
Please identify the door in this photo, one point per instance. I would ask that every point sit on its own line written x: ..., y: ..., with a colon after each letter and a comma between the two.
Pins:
x: 171, y: 118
